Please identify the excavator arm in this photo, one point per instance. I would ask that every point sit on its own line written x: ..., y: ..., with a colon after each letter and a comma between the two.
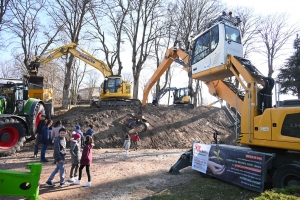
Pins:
x: 173, y: 54
x: 70, y: 48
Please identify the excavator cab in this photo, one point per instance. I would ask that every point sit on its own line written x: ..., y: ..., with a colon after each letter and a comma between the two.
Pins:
x: 210, y: 48
x: 114, y: 87
x: 181, y: 96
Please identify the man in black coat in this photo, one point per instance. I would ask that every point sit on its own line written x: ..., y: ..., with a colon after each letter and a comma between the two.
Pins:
x: 39, y: 131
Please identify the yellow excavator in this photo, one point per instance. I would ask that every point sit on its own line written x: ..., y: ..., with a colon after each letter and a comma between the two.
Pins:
x: 270, y: 136
x: 114, y: 91
x: 181, y: 98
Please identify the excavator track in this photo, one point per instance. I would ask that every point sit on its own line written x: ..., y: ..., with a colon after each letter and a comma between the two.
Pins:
x: 113, y: 103
x: 119, y: 102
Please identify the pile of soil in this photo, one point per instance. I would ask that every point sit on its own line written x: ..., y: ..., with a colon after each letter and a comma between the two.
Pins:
x: 171, y: 132
x: 168, y: 128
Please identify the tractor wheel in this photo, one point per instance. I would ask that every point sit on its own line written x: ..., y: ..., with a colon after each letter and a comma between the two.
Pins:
x: 12, y: 136
x: 38, y: 111
x: 286, y: 175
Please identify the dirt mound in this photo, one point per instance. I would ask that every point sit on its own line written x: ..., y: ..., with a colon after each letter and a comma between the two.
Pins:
x: 168, y: 127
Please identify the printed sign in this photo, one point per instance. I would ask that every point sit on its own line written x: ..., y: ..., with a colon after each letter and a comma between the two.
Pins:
x: 236, y: 165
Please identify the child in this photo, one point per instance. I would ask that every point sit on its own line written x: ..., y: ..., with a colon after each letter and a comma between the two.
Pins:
x: 86, y: 160
x: 75, y: 151
x: 126, y: 144
x: 135, y: 138
x: 59, y: 156
x: 90, y: 131
x: 80, y: 132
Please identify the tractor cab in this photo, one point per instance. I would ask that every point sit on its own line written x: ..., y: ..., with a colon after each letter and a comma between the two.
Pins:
x: 13, y: 95
x: 210, y: 48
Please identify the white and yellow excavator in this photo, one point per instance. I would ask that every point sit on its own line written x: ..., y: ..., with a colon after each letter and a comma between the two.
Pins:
x: 114, y: 91
x: 270, y: 135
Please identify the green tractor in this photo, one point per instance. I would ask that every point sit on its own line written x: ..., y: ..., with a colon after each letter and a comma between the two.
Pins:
x: 19, y: 115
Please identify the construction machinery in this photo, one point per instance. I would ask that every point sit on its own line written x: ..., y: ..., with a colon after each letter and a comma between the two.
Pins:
x: 19, y: 115
x: 270, y: 136
x: 114, y: 91
x: 181, y: 98
x: 37, y: 90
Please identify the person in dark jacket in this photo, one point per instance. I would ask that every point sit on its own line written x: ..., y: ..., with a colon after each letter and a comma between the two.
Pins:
x: 59, y: 156
x: 86, y: 161
x: 45, y: 139
x: 89, y: 132
x: 75, y: 151
x: 38, y: 132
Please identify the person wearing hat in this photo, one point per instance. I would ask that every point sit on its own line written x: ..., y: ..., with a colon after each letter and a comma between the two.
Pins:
x: 38, y: 133
x: 75, y: 150
x: 78, y: 127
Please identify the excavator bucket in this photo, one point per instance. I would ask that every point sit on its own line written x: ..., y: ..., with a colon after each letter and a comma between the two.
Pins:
x: 35, y: 82
x: 184, y: 161
x: 137, y: 123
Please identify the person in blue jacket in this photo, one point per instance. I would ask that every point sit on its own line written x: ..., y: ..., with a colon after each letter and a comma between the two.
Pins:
x: 89, y: 132
x: 45, y: 139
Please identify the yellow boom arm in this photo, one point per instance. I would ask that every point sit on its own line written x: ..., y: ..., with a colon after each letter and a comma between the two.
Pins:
x: 171, y: 55
x: 82, y: 55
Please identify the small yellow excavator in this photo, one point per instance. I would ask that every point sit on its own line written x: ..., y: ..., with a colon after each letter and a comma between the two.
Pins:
x: 181, y: 98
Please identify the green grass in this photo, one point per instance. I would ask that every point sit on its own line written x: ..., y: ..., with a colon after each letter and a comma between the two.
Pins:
x: 214, y: 189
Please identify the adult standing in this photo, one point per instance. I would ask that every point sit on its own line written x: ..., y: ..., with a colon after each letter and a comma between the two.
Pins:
x: 45, y: 139
x: 38, y: 133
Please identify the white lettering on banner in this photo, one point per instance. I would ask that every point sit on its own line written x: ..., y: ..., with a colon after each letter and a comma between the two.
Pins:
x: 200, y: 157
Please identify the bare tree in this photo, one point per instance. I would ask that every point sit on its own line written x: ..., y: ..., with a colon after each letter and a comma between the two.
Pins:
x: 3, y: 9
x: 25, y: 27
x: 141, y: 30
x: 274, y: 31
x: 73, y: 13
x: 162, y: 42
x: 127, y: 76
x: 77, y: 80
x: 92, y: 83
x: 249, y: 28
x: 110, y: 34
x: 7, y: 70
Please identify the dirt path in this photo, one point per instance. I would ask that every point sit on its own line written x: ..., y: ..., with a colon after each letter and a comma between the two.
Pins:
x: 114, y: 176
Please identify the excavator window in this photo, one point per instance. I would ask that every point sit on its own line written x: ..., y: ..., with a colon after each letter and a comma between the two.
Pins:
x: 205, y: 44
x: 232, y: 34
x: 214, y: 38
x: 111, y: 85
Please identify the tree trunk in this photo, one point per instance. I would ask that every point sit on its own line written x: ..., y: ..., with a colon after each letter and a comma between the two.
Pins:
x: 67, y: 83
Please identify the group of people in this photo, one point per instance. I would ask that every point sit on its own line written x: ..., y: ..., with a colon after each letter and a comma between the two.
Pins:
x: 84, y: 158
x: 46, y: 134
x: 127, y: 143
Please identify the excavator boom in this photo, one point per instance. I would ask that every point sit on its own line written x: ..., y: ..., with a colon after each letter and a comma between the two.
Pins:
x: 173, y: 54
